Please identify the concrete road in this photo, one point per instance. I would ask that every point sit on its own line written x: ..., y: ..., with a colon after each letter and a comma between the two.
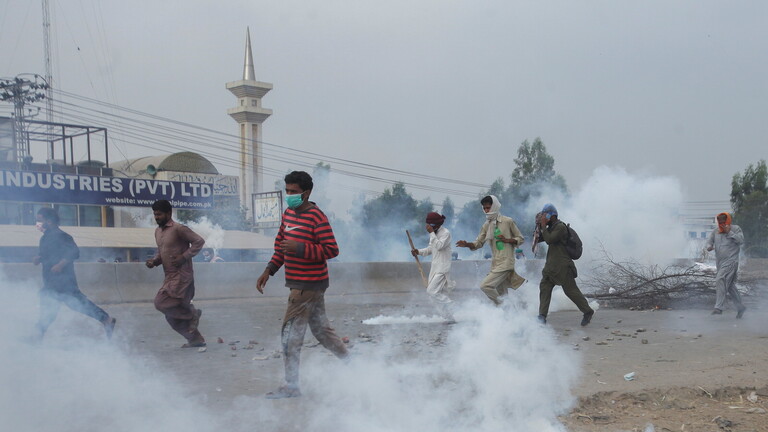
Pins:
x: 667, y: 348
x: 664, y: 348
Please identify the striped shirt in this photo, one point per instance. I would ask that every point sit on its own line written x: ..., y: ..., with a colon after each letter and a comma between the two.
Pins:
x: 307, y: 269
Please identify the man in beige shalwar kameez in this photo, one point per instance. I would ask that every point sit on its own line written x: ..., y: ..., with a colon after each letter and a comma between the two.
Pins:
x: 504, y: 237
x: 176, y: 245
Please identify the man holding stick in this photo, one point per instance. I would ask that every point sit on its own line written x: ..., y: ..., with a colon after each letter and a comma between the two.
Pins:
x: 439, y: 284
x: 504, y: 236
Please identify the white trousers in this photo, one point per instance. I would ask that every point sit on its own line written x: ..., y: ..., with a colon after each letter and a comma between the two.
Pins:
x: 438, y: 289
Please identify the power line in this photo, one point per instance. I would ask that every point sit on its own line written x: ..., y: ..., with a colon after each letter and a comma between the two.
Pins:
x: 284, y: 148
x: 228, y: 143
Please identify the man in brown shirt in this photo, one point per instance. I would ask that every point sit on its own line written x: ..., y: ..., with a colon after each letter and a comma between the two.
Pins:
x: 176, y: 245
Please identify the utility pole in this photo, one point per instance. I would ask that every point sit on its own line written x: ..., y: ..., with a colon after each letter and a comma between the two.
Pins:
x: 21, y: 91
x: 48, y: 71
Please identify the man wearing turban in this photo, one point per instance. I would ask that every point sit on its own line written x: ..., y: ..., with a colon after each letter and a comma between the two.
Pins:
x: 439, y: 284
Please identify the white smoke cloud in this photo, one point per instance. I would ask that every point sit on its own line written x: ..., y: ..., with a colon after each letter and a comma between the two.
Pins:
x: 401, y: 319
x: 631, y: 215
x: 499, y: 370
x: 77, y: 381
x: 211, y: 232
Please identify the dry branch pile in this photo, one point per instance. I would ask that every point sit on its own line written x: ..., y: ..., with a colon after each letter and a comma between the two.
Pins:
x: 630, y: 283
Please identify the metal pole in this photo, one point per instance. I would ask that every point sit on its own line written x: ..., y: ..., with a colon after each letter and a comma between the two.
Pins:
x: 63, y: 145
x: 106, y: 149
x: 88, y: 141
x: 48, y: 68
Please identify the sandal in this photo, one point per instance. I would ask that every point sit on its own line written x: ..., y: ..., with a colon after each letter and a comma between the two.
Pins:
x: 196, y: 344
x: 284, y: 392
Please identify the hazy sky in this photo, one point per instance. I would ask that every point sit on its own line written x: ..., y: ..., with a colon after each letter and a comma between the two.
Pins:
x: 447, y: 88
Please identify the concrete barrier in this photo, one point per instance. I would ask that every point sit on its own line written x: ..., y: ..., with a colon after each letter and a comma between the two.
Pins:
x: 134, y: 282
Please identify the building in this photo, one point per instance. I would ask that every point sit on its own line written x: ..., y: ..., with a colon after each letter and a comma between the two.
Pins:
x: 105, y: 205
x: 107, y: 209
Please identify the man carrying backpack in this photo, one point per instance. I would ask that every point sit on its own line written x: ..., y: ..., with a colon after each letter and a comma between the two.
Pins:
x: 559, y: 268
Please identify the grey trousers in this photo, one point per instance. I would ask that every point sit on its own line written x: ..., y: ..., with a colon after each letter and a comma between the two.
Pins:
x: 725, y: 283
x: 306, y: 308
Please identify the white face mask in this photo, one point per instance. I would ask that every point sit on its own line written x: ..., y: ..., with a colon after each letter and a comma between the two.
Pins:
x: 40, y: 227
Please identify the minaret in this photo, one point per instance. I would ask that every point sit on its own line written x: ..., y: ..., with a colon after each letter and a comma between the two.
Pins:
x: 249, y: 115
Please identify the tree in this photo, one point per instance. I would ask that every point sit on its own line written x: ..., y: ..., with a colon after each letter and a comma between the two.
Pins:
x: 754, y: 179
x: 384, y: 220
x: 423, y: 208
x: 321, y: 174
x: 394, y: 203
x: 535, y: 166
x: 749, y: 199
x: 534, y: 176
x: 449, y: 211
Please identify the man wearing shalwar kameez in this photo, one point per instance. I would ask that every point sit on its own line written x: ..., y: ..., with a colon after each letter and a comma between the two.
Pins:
x: 176, y: 245
x: 439, y: 284
x: 504, y: 236
x: 726, y: 240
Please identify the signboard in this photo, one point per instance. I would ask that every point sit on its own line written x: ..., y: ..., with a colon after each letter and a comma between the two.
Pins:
x: 60, y: 188
x: 223, y: 185
x: 267, y: 209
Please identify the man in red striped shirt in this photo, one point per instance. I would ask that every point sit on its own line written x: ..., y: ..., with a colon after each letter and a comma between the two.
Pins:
x: 303, y: 244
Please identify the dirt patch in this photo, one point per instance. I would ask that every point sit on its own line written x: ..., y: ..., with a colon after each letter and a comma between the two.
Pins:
x: 730, y: 409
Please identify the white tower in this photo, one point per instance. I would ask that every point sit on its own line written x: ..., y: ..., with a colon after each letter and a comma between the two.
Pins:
x: 249, y: 115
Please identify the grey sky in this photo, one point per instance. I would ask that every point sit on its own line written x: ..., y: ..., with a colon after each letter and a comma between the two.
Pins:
x: 448, y: 88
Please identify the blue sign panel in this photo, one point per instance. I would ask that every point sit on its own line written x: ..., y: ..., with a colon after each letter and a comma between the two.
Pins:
x: 47, y: 187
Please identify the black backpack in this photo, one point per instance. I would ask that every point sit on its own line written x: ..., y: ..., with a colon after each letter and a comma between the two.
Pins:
x: 573, y: 243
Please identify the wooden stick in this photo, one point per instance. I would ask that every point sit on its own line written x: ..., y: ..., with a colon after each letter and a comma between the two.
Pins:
x: 418, y: 263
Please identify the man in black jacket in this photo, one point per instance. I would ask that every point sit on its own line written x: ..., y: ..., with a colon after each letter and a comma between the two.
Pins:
x: 57, y: 254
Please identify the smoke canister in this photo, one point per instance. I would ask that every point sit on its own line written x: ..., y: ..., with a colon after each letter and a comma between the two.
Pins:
x: 499, y: 243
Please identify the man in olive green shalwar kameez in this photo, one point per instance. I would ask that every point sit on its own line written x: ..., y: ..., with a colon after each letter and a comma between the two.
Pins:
x: 559, y: 268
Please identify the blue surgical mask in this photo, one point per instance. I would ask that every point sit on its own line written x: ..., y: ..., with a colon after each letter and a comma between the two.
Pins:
x: 293, y: 201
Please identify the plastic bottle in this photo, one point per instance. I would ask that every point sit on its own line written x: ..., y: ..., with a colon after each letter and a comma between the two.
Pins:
x: 499, y: 243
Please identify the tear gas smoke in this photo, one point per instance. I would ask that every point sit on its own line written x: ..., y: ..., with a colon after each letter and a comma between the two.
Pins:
x: 212, y: 233
x: 499, y: 370
x: 630, y: 215
x: 419, y: 319
x: 76, y: 381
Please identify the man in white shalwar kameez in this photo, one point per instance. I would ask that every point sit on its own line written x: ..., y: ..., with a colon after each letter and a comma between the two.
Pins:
x: 439, y: 285
x: 726, y: 240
